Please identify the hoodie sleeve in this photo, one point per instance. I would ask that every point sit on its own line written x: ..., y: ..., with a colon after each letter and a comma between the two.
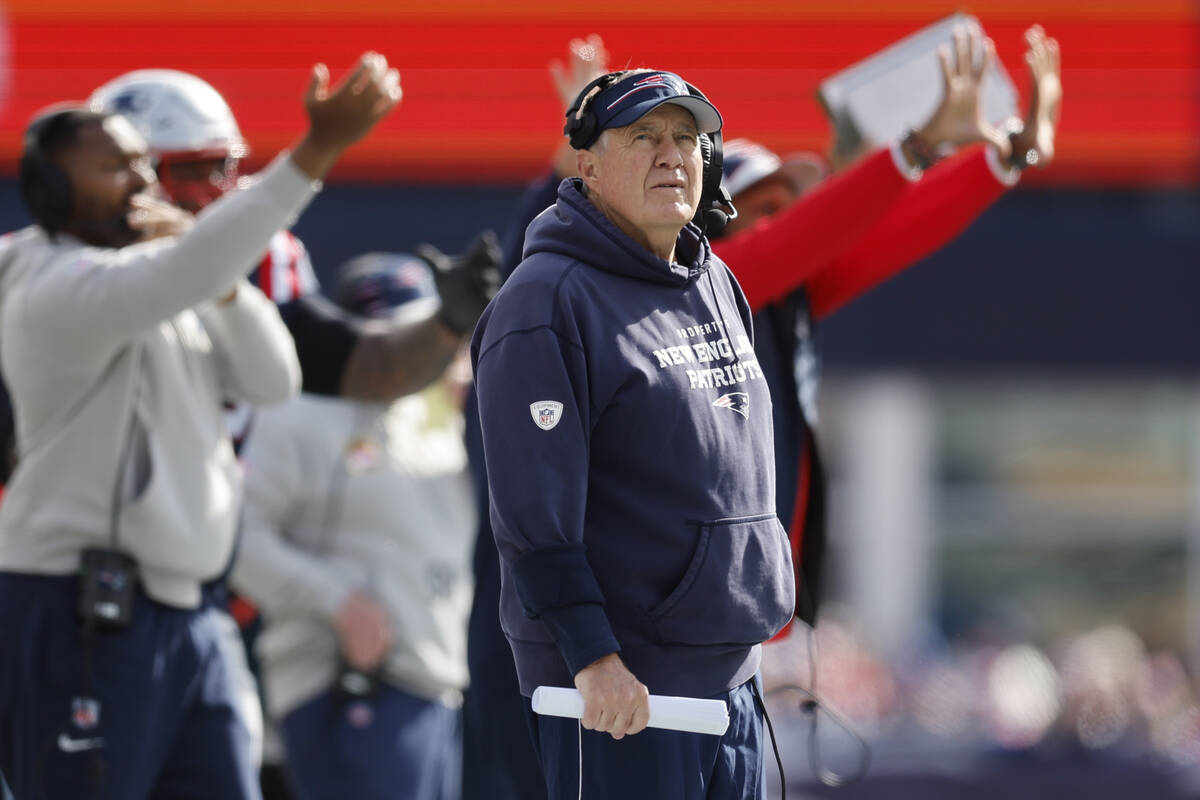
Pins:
x: 927, y: 216
x: 535, y: 414
x: 93, y: 300
x: 787, y: 250
x: 255, y: 354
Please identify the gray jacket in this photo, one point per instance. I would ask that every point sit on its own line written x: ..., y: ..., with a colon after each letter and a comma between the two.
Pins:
x: 344, y: 496
x: 103, y: 345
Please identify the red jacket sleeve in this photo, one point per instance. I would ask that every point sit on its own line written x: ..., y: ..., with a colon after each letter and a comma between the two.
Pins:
x: 928, y: 214
x: 787, y: 249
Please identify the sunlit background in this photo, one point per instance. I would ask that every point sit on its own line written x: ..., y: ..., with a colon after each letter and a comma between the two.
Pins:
x: 1012, y: 427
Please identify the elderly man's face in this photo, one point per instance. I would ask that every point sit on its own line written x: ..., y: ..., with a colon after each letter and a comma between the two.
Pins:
x: 646, y: 177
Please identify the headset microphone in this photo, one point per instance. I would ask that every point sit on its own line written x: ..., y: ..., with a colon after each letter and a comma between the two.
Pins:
x: 716, y: 206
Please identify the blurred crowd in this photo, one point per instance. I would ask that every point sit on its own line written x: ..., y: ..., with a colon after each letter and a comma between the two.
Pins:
x: 1101, y: 690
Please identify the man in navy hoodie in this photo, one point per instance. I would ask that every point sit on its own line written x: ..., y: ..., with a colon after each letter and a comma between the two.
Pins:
x: 627, y: 434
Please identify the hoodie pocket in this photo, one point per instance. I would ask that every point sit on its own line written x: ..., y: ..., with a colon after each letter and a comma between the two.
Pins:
x: 738, y: 588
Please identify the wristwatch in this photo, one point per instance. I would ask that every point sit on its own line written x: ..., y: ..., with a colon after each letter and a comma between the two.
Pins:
x: 1021, y: 157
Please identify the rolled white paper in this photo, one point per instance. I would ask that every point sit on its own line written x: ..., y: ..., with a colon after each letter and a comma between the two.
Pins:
x: 691, y: 714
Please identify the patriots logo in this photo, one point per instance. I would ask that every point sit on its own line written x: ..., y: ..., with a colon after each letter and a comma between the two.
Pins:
x: 669, y: 80
x: 130, y: 102
x: 546, y: 413
x: 652, y: 81
x: 738, y: 402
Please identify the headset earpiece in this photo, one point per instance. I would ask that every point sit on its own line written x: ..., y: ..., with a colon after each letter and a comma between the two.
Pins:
x: 581, y: 127
x: 45, y: 188
x: 716, y: 207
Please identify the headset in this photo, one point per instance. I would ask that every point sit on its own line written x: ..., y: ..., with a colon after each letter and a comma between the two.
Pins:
x: 45, y: 188
x: 716, y: 206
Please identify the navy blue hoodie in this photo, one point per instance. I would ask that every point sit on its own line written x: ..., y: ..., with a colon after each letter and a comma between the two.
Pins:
x: 627, y: 434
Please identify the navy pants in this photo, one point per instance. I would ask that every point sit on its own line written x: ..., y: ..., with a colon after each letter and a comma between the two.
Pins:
x: 499, y: 762
x: 655, y: 764
x: 395, y: 746
x: 162, y: 721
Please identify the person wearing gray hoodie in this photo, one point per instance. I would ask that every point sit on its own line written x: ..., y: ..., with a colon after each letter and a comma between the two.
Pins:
x: 119, y: 343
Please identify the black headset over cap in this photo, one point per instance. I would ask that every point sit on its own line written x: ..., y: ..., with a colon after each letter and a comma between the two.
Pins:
x: 621, y: 98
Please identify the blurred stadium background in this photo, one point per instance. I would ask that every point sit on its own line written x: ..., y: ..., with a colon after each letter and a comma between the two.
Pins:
x: 1013, y: 426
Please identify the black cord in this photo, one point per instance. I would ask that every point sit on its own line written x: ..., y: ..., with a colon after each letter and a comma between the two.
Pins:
x: 87, y: 635
x: 812, y: 705
x: 762, y: 706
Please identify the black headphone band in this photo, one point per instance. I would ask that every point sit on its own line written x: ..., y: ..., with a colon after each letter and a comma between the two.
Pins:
x: 45, y: 188
x: 581, y: 120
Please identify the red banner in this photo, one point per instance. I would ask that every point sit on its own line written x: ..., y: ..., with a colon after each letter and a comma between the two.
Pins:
x: 479, y: 105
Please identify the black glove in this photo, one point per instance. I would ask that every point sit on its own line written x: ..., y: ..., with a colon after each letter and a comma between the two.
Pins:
x: 466, y: 282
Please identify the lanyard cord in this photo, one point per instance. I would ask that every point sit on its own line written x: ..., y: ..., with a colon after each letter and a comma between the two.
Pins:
x: 122, y: 471
x: 762, y: 706
x: 86, y: 698
x: 813, y: 706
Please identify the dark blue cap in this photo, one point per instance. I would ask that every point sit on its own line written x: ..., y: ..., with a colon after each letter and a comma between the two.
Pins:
x: 377, y: 285
x: 745, y: 163
x: 634, y: 96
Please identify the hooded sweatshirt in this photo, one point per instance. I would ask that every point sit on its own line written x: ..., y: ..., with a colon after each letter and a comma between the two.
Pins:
x: 627, y: 435
x: 117, y: 361
x: 344, y: 497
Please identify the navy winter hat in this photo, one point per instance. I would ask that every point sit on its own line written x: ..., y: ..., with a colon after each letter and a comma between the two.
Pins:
x: 377, y: 284
x: 631, y: 98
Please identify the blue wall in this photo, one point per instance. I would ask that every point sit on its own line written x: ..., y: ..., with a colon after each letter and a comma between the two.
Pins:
x: 1044, y: 279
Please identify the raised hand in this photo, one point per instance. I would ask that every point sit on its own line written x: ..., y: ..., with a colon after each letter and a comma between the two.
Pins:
x: 959, y: 120
x: 1045, y: 98
x: 340, y: 116
x: 155, y: 218
x: 586, y: 60
x: 466, y: 282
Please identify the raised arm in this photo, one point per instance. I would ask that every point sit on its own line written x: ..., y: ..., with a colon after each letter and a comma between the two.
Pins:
x: 800, y: 245
x: 99, y: 298
x: 255, y: 356
x: 1045, y: 100
x: 392, y: 359
x: 586, y: 60
x: 785, y: 251
x: 952, y: 194
x: 927, y: 215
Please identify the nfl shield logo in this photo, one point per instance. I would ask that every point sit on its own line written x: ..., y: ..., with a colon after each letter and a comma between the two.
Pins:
x: 85, y: 712
x: 546, y: 413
